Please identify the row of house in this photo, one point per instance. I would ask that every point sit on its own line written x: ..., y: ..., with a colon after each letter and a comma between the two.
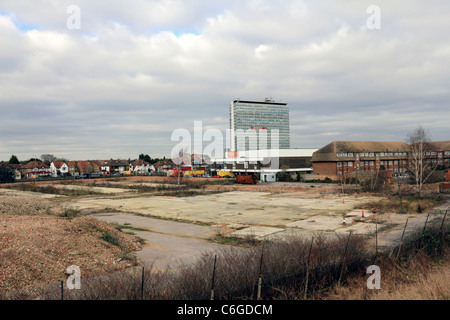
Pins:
x: 336, y: 159
x: 38, y: 169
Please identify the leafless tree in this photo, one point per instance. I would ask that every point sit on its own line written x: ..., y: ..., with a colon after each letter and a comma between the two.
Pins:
x: 343, y: 181
x: 182, y: 157
x: 48, y: 158
x: 373, y: 179
x: 399, y: 183
x: 419, y: 163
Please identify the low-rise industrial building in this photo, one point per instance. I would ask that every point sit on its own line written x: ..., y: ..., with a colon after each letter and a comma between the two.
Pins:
x: 340, y: 158
x: 266, y: 164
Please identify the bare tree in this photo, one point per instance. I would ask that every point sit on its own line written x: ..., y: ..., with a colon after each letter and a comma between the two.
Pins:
x: 343, y: 181
x: 182, y: 157
x: 48, y: 158
x: 373, y: 180
x: 419, y: 163
x: 399, y: 182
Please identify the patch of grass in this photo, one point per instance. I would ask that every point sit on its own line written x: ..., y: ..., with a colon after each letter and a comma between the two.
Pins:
x: 70, y: 213
x: 50, y: 189
x: 221, y: 182
x: 433, y: 241
x: 199, y: 223
x: 169, y: 188
x: 126, y: 226
x: 124, y: 254
x: 111, y: 238
x: 104, y: 210
x: 145, y: 188
x: 246, y: 242
x: 419, y: 271
x: 231, y: 241
x: 405, y: 205
x: 186, y: 193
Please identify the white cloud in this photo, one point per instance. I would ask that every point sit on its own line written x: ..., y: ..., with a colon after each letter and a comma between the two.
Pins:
x: 154, y: 66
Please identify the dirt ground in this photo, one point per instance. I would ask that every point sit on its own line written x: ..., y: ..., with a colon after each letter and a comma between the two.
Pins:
x: 37, y: 245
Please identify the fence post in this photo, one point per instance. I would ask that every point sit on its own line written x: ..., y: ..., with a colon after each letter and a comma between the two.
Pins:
x: 401, y: 240
x: 212, y: 280
x: 442, y: 223
x: 258, y: 294
x: 376, y: 240
x: 62, y: 290
x: 307, y: 269
x: 423, y: 231
x: 142, y: 284
x: 343, y: 258
x: 425, y: 225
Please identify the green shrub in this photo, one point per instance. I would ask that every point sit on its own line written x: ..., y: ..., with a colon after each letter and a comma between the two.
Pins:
x: 70, y: 213
x: 111, y: 238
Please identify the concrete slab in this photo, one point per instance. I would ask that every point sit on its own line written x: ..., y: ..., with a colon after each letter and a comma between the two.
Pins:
x: 245, y: 208
x: 167, y: 243
x: 257, y: 232
x: 358, y: 228
x: 166, y: 250
x: 291, y: 233
x: 328, y: 222
x: 358, y: 213
x: 157, y: 225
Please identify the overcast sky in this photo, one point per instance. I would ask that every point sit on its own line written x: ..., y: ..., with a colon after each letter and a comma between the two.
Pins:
x: 119, y: 82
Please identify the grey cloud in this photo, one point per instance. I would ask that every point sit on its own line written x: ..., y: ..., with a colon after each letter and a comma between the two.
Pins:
x: 138, y: 70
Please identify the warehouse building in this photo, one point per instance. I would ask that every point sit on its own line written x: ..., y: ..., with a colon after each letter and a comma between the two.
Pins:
x: 266, y: 164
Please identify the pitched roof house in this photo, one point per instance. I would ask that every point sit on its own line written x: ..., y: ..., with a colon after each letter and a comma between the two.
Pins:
x: 86, y: 167
x: 59, y: 168
x: 117, y: 166
x: 35, y: 169
x: 163, y: 165
x: 140, y: 166
x: 72, y: 168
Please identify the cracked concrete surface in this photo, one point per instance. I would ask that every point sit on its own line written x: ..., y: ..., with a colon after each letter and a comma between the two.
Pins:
x: 242, y: 214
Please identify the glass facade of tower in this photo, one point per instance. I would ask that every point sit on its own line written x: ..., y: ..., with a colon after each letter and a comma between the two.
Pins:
x: 265, y: 118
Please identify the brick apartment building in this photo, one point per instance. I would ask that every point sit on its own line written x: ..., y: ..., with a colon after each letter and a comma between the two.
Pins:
x: 345, y: 157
